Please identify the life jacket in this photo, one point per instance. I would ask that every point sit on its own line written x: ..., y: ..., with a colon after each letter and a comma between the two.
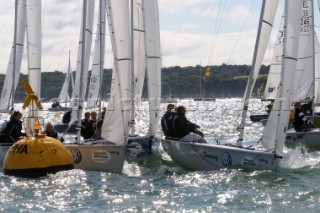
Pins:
x: 292, y: 115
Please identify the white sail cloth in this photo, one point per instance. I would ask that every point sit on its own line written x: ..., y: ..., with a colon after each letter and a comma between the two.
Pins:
x: 153, y: 53
x: 275, y: 131
x: 115, y: 127
x: 6, y: 94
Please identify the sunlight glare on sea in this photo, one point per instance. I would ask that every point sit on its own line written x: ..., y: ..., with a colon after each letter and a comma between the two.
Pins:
x: 157, y: 184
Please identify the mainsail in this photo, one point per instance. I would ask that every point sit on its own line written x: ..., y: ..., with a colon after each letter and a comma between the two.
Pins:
x: 64, y: 93
x: 153, y: 54
x: 304, y: 86
x: 88, y: 36
x: 33, y: 14
x: 13, y: 70
x: 138, y: 56
x: 276, y: 128
x: 93, y: 99
x: 115, y: 127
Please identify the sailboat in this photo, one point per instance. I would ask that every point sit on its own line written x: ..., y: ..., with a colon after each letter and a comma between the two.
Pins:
x: 146, y: 56
x: 64, y: 93
x: 196, y: 156
x: 14, y: 66
x: 105, y: 154
x: 306, y: 87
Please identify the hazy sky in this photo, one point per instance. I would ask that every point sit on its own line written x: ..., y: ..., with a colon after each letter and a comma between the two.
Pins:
x: 192, y: 31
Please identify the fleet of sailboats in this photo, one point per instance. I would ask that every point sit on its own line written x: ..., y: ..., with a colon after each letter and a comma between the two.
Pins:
x: 135, y: 40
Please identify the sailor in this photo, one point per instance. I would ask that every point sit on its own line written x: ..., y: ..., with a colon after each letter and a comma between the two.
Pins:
x: 14, y: 128
x: 184, y: 129
x: 66, y: 117
x: 50, y: 131
x: 84, y: 123
x: 300, y: 122
x: 167, y: 121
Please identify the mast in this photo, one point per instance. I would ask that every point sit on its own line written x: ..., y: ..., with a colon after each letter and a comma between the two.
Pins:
x: 84, y: 23
x: 250, y: 81
x: 101, y: 49
x: 69, y: 78
x: 314, y: 57
x: 268, y: 11
x: 14, y: 55
x: 132, y: 122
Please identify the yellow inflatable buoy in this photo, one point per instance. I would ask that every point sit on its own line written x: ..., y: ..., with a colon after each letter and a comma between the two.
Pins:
x: 37, y: 156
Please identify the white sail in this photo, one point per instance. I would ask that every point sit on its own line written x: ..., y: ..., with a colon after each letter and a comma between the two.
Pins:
x: 268, y: 12
x: 33, y: 14
x: 6, y: 94
x: 64, y: 93
x: 276, y: 128
x: 138, y: 57
x: 116, y: 122
x: 139, y: 60
x: 317, y: 76
x: 153, y: 54
x: 272, y: 85
x: 96, y: 74
x: 304, y: 84
x: 89, y: 24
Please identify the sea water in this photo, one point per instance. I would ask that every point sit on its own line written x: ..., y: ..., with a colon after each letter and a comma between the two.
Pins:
x: 157, y: 184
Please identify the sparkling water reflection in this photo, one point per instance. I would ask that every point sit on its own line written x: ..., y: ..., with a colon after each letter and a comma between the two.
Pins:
x: 157, y: 184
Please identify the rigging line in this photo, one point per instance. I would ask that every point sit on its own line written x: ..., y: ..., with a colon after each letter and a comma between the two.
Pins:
x: 215, y: 41
x: 65, y: 41
x: 214, y: 33
x: 245, y: 21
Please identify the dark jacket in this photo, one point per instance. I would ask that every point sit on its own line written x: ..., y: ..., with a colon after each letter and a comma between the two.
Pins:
x: 66, y: 117
x: 300, y: 122
x: 13, y: 130
x: 89, y: 129
x: 52, y: 134
x: 167, y: 124
x: 182, y: 126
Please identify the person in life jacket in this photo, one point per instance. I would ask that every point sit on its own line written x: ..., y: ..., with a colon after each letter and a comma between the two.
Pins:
x: 184, y: 129
x: 300, y: 122
x: 14, y: 128
x: 167, y: 121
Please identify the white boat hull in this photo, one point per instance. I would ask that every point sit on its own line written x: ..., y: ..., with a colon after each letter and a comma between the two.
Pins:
x: 97, y: 156
x: 199, y: 157
x: 311, y: 140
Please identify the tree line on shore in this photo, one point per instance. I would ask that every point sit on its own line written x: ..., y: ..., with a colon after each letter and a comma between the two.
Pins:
x: 181, y: 82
